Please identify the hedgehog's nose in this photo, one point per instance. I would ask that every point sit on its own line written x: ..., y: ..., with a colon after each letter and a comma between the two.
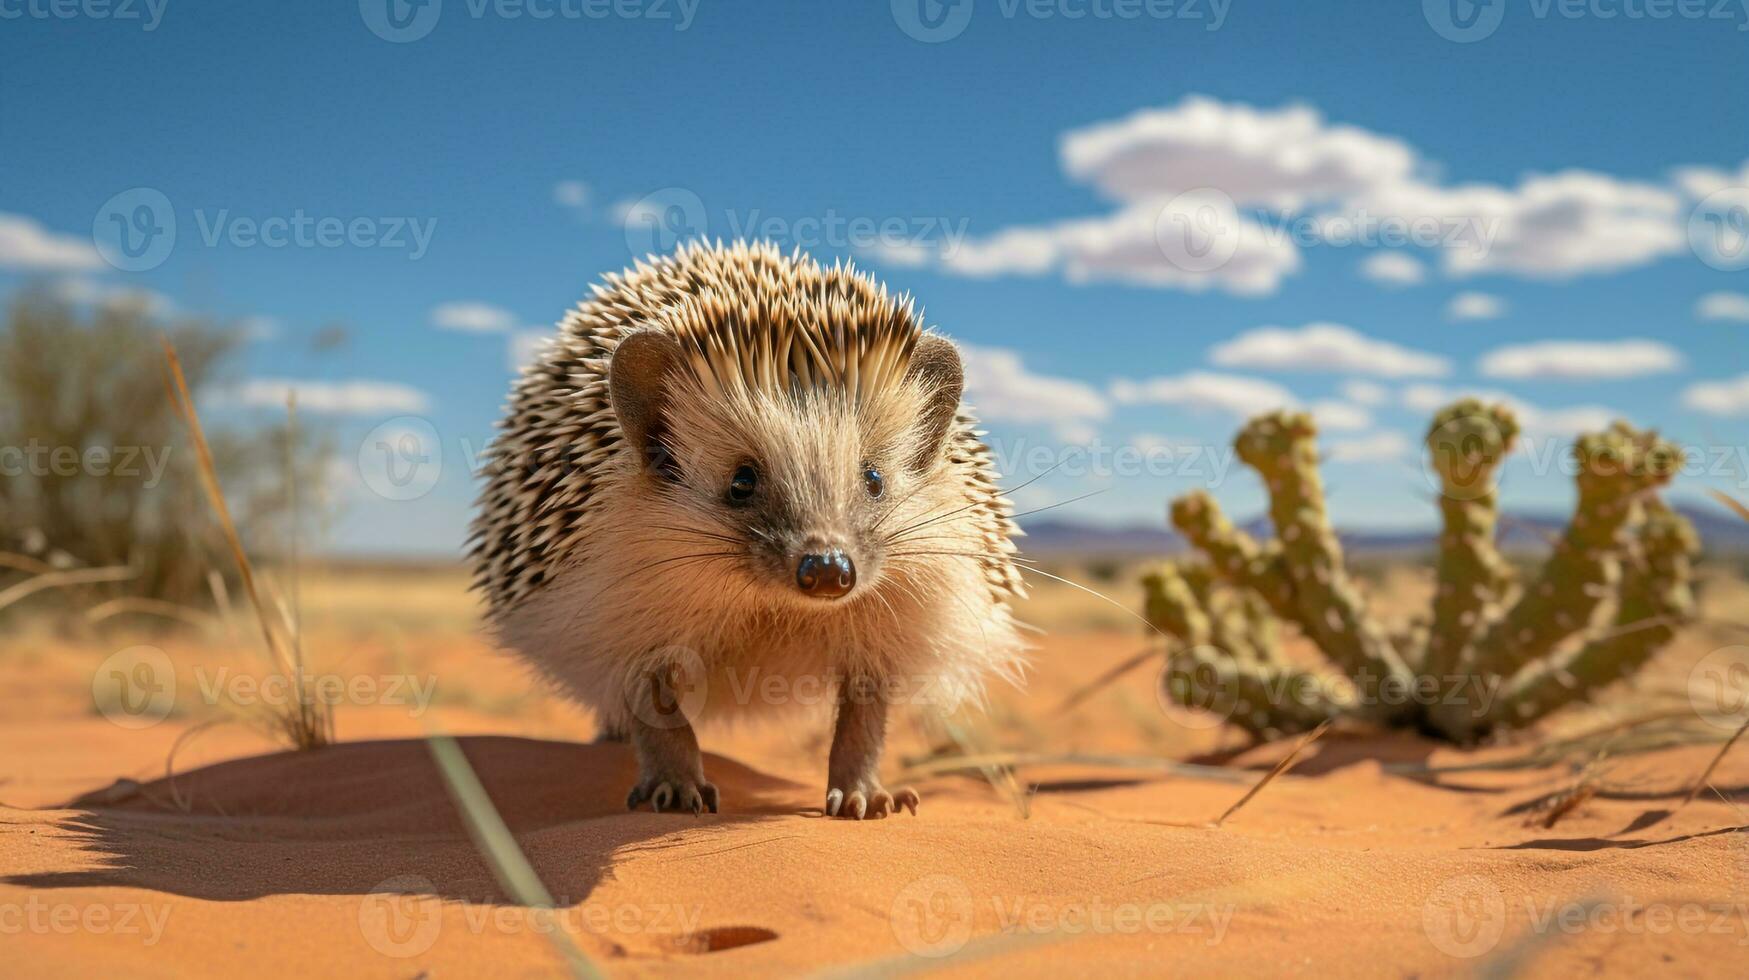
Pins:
x: 825, y: 576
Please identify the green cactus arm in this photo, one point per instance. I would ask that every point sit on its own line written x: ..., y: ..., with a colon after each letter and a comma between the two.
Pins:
x: 1235, y: 555
x: 1616, y: 469
x: 1267, y: 700
x: 1657, y: 600
x: 1185, y: 601
x: 1466, y: 444
x: 1282, y: 448
x: 1172, y: 608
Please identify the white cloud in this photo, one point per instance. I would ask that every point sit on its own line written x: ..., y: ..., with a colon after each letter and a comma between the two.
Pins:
x: 1204, y: 391
x: 472, y: 317
x: 333, y: 397
x: 1339, y: 416
x: 1393, y: 268
x: 525, y: 345
x: 1350, y: 184
x: 83, y: 291
x: 1699, y: 182
x: 1475, y: 306
x: 1533, y: 419
x: 1379, y: 447
x: 907, y: 255
x: 1569, y: 360
x: 571, y: 193
x: 1269, y: 157
x: 1365, y: 392
x: 258, y: 328
x: 1001, y: 389
x: 1719, y: 397
x: 1325, y: 347
x: 28, y: 246
x: 1549, y: 226
x: 1076, y: 433
x: 1723, y: 306
x: 1135, y: 245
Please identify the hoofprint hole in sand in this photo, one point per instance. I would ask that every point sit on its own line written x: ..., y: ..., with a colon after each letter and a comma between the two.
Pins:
x: 724, y: 937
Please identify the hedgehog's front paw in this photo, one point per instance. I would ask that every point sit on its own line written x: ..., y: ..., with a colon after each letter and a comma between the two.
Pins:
x: 866, y: 798
x: 677, y: 793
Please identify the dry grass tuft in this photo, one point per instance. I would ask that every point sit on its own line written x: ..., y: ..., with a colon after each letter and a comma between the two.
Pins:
x: 306, y: 722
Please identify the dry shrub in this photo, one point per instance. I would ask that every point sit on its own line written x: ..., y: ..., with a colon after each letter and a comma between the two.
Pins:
x: 96, y: 470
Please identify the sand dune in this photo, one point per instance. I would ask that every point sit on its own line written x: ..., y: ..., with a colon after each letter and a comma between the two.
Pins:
x: 351, y: 860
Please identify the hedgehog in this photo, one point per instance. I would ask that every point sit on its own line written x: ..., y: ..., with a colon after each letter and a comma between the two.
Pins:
x: 738, y: 481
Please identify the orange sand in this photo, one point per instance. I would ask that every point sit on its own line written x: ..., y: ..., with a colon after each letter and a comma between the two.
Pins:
x: 351, y: 861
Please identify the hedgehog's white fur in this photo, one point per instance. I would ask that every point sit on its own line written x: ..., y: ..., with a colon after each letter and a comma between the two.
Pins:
x: 804, y: 368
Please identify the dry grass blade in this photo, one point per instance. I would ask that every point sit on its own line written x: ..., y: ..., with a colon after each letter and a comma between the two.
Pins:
x: 1570, y: 799
x: 24, y: 563
x: 122, y: 605
x: 1741, y: 509
x: 1708, y: 773
x: 1280, y: 768
x: 307, y: 723
x: 56, y: 580
x: 495, y: 842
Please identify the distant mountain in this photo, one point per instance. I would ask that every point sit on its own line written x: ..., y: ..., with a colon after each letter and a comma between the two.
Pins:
x: 1720, y: 532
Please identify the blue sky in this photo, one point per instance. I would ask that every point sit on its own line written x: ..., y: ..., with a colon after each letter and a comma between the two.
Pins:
x: 478, y: 173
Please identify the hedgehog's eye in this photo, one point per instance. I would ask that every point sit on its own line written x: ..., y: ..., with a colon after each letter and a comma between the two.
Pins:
x: 871, y: 479
x: 743, y: 483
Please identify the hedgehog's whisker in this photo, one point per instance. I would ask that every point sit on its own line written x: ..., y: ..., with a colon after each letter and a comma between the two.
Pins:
x: 702, y: 554
x: 1060, y: 503
x: 701, y: 532
x: 1031, y: 566
x: 897, y: 535
x: 876, y: 526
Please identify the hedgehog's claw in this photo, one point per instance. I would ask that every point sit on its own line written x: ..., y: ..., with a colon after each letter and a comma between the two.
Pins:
x: 869, y: 802
x: 676, y: 795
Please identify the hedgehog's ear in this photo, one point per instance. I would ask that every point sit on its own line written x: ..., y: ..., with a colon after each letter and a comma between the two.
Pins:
x: 638, y: 378
x: 935, y: 362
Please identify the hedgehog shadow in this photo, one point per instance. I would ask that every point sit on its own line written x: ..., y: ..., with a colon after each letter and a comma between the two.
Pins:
x: 376, y: 817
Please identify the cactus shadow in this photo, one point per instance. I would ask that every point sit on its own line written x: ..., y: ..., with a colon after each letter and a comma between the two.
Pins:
x: 1334, y: 752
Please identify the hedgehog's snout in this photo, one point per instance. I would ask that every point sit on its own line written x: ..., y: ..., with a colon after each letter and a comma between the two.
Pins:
x: 826, y: 575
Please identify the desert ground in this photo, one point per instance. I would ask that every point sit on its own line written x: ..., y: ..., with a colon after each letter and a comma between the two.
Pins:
x: 155, y: 825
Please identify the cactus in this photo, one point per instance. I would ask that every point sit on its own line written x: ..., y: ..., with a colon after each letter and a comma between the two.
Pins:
x: 1466, y: 444
x: 1229, y: 660
x: 1492, y: 657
